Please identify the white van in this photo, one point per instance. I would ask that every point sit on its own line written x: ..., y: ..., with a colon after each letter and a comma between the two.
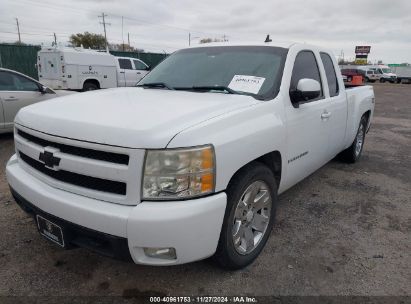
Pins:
x: 83, y: 69
x: 384, y: 72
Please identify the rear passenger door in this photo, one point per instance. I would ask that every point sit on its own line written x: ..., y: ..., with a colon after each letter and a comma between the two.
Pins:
x: 337, y: 107
x: 307, y: 129
x: 16, y: 92
x: 125, y: 68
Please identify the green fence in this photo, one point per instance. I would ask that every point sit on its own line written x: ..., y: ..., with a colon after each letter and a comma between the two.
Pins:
x: 22, y: 58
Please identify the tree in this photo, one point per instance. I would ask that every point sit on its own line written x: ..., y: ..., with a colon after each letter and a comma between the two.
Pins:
x: 209, y: 40
x: 206, y: 40
x: 121, y: 47
x: 88, y: 40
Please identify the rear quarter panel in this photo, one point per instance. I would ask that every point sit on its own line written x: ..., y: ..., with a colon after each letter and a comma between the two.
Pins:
x: 360, y: 100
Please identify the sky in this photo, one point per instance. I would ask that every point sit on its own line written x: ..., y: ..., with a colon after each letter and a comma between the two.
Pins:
x: 165, y: 25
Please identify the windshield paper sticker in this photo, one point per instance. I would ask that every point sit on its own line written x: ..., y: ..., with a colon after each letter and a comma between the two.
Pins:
x: 244, y: 83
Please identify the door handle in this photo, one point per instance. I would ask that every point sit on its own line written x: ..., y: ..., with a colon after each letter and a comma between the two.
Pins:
x: 325, y: 115
x: 138, y: 73
x: 11, y: 98
x: 121, y: 72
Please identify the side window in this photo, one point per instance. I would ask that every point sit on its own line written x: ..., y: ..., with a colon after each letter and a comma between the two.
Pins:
x: 125, y: 64
x: 330, y: 73
x: 25, y: 84
x: 139, y: 65
x: 7, y: 82
x: 305, y: 66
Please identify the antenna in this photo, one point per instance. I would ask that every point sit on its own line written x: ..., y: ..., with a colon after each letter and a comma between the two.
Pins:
x: 268, y: 39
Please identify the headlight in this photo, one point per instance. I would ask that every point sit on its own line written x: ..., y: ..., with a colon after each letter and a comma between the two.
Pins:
x: 178, y: 173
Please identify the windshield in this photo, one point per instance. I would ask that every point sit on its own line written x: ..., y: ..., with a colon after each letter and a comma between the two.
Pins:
x: 386, y: 70
x: 251, y: 70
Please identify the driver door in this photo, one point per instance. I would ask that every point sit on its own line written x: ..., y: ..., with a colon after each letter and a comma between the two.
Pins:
x: 16, y: 92
x: 307, y: 124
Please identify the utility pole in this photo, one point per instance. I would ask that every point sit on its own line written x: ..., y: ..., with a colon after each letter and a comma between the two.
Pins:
x: 189, y: 39
x: 128, y: 37
x: 104, y: 23
x: 122, y: 30
x: 18, y: 29
x: 55, y: 39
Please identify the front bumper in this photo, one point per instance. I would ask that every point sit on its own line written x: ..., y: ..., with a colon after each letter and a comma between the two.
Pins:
x: 191, y: 227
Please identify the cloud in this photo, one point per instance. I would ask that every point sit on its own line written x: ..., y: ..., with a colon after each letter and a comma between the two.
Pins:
x: 165, y: 24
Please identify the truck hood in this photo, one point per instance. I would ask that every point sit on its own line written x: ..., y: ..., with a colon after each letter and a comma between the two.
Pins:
x: 128, y: 117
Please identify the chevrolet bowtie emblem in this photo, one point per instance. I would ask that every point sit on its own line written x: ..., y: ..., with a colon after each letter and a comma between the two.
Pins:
x: 49, y: 159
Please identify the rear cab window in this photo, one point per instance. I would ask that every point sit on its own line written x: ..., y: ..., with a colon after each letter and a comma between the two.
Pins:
x: 330, y: 73
x: 125, y: 64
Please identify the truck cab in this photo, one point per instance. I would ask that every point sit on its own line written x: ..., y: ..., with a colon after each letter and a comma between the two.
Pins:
x: 130, y: 71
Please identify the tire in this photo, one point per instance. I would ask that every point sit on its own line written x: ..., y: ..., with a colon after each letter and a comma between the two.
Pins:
x: 353, y: 153
x: 382, y: 80
x: 90, y: 86
x: 254, y: 180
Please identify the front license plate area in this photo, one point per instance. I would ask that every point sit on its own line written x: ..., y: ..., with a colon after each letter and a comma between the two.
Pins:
x: 50, y: 230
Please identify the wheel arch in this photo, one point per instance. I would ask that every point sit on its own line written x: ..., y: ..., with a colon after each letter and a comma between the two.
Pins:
x: 272, y: 160
x: 92, y: 80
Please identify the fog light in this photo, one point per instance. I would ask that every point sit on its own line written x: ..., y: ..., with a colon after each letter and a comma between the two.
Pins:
x: 161, y: 253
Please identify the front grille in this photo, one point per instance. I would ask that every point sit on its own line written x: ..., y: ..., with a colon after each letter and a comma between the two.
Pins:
x: 83, y: 152
x: 89, y: 182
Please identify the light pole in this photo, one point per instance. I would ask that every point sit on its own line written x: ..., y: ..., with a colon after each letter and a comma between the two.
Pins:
x: 191, y: 38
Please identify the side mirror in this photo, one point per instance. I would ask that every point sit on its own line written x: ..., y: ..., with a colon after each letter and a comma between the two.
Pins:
x: 148, y: 68
x: 307, y: 89
x: 45, y: 90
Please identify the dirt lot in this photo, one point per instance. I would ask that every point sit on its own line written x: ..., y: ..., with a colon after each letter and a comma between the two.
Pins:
x: 345, y: 230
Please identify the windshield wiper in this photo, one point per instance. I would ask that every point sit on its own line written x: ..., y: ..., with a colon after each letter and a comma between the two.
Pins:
x: 215, y: 88
x: 156, y: 85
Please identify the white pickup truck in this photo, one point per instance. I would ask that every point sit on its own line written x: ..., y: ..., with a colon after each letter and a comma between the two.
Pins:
x: 188, y: 164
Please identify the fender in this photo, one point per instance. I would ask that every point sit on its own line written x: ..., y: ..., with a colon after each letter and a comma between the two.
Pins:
x: 239, y: 137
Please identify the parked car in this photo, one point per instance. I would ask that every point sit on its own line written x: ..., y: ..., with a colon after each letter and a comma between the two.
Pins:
x: 17, y: 91
x: 188, y: 164
x: 86, y: 70
x: 370, y: 75
x: 350, y: 72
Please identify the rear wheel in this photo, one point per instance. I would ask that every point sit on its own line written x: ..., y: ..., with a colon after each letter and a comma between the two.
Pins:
x: 90, y: 86
x: 353, y: 153
x: 249, y: 216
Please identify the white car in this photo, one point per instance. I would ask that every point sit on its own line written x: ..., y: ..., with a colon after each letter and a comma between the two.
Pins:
x: 188, y: 164
x: 81, y: 69
x: 17, y: 91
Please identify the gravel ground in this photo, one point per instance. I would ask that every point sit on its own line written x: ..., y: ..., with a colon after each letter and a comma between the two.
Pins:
x: 345, y: 230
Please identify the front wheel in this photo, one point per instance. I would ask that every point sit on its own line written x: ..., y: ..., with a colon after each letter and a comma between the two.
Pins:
x: 353, y: 153
x: 249, y: 216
